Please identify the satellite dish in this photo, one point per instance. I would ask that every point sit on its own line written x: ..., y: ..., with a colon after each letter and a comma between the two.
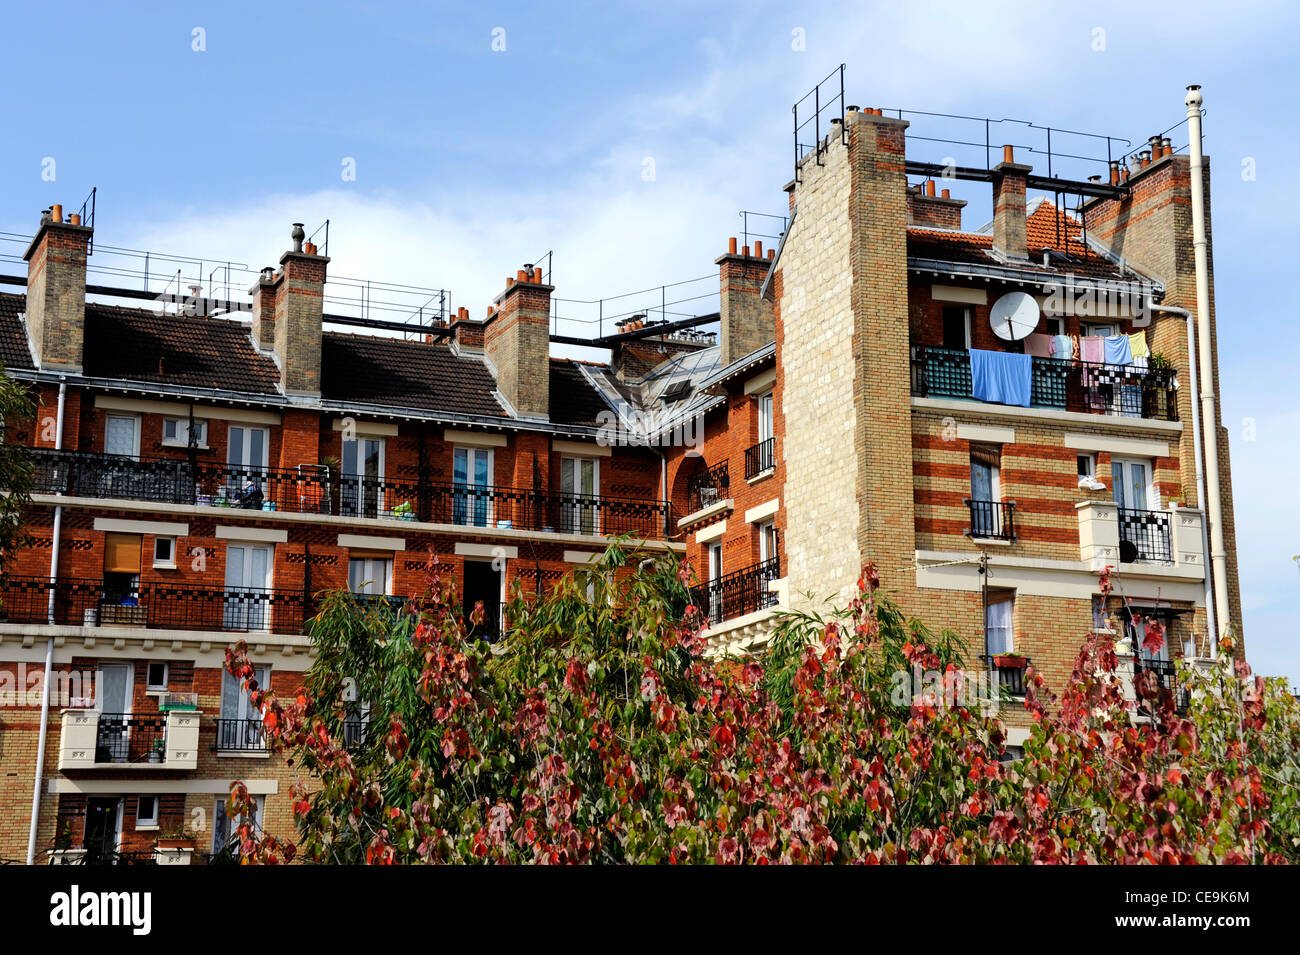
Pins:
x: 1013, y: 316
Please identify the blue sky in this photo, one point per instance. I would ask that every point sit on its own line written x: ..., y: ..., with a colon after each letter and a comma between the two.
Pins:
x: 470, y: 161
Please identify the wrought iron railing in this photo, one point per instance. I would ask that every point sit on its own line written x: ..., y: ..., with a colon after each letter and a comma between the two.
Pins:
x: 315, y: 491
x: 1145, y: 536
x: 1011, y: 675
x: 163, y: 606
x: 131, y: 738
x: 708, y: 487
x: 354, y: 733
x: 1065, y: 384
x: 240, y: 736
x: 761, y: 457
x: 992, y: 519
x: 1165, y: 674
x: 737, y: 593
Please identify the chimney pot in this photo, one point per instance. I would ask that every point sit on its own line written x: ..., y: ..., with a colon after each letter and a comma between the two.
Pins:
x: 1008, y: 153
x: 56, y: 212
x: 1114, y: 172
x: 1167, y: 146
x: 537, y: 274
x: 853, y: 108
x: 771, y: 253
x: 731, y: 246
x: 744, y: 250
x: 758, y: 248
x: 297, y: 235
x: 945, y: 194
x: 75, y: 218
x: 521, y: 276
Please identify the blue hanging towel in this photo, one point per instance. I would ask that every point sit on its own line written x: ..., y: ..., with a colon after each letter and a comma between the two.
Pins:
x: 1118, y: 350
x: 1000, y: 376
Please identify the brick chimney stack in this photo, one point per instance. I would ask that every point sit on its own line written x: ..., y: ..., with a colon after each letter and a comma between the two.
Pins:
x: 56, y: 291
x: 517, y: 341
x: 1010, y: 180
x: 745, y: 317
x: 926, y: 209
x: 288, y: 310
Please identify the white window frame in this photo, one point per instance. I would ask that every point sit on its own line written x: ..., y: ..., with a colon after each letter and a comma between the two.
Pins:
x: 135, y: 424
x: 233, y: 822
x: 143, y: 823
x: 1010, y: 627
x: 386, y: 571
x: 181, y: 438
x: 574, y: 518
x: 766, y: 540
x: 966, y: 322
x: 471, y: 503
x: 1152, y: 491
x: 766, y: 416
x: 166, y: 676
x: 1090, y: 465
x: 1053, y: 320
x: 164, y: 563
x: 262, y: 674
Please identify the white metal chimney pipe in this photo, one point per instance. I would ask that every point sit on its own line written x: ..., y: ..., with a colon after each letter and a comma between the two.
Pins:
x: 1209, y: 419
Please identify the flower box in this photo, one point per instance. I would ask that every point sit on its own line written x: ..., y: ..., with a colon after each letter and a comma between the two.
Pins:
x: 1010, y: 661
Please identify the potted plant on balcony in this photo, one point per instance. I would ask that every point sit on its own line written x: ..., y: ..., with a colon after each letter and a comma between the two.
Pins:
x: 1010, y: 661
x: 404, y: 511
x: 176, y: 836
x: 157, y: 750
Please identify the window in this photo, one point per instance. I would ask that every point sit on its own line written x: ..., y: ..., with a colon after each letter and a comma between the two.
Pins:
x: 248, y: 597
x: 956, y: 327
x: 146, y: 812
x: 1053, y: 325
x: 247, y: 450
x: 157, y: 678
x: 225, y: 829
x: 176, y: 432
x: 122, y: 435
x: 767, y: 541
x: 472, y: 486
x: 579, y: 487
x: 997, y: 625
x: 164, y: 553
x: 370, y: 576
x: 764, y: 417
x: 1102, y: 331
x: 121, y: 603
x: 1087, y: 466
x: 986, y: 512
x: 1132, y: 488
x: 240, y: 725
x: 363, y: 476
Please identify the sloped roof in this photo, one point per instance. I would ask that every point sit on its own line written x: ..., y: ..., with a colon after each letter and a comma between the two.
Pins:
x: 574, y: 400
x: 14, y: 352
x: 366, y: 369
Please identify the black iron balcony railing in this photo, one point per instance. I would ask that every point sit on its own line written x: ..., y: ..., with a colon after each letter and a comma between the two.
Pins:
x: 131, y: 738
x: 708, y: 487
x: 737, y: 593
x: 240, y: 736
x: 1067, y: 385
x: 992, y: 519
x: 1010, y: 669
x: 88, y: 603
x: 1144, y: 536
x: 761, y: 457
x: 1166, y: 678
x: 313, y: 491
x: 354, y: 733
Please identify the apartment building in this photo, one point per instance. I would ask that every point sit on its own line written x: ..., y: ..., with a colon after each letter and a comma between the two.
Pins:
x: 992, y: 415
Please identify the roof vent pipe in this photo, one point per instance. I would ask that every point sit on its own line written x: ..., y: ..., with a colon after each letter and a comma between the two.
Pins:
x: 297, y: 235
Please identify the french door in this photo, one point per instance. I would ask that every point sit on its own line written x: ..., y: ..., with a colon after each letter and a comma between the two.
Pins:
x: 122, y: 435
x: 247, y: 453
x: 472, y: 486
x: 248, y: 575
x: 113, y: 686
x: 1132, y: 480
x: 579, y: 487
x: 363, y: 476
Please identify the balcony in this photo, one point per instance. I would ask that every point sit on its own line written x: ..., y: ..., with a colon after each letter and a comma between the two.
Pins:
x: 992, y: 520
x: 738, y: 593
x: 240, y: 736
x: 313, y: 490
x: 1061, y: 384
x: 1163, y: 676
x: 708, y: 487
x: 760, y: 459
x: 154, y: 606
x: 1123, y: 537
x: 94, y: 740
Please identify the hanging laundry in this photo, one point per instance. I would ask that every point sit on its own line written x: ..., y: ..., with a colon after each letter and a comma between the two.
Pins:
x: 1063, y: 347
x: 1039, y: 345
x: 1092, y: 349
x: 1001, y: 377
x: 1117, y: 350
x: 1137, y: 344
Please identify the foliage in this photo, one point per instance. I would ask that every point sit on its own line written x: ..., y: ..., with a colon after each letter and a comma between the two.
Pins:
x: 598, y: 731
x: 15, y: 468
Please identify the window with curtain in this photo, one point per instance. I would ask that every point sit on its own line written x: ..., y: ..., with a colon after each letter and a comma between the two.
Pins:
x: 997, y: 625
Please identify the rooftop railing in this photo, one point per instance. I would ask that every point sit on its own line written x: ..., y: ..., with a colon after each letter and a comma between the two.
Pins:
x: 313, y: 490
x: 1065, y: 384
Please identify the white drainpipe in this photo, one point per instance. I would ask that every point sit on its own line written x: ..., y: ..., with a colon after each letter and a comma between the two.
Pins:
x: 1200, y: 245
x: 49, y: 643
x: 1199, y: 460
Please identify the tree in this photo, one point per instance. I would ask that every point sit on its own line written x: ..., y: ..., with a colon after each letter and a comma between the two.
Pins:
x: 15, y: 468
x: 600, y: 732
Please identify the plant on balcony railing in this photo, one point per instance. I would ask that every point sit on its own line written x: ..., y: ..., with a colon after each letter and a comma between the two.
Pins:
x: 1087, y: 387
x: 130, y: 738
x: 737, y: 593
x: 993, y: 520
x: 708, y: 487
x: 1010, y: 668
x: 315, y: 491
x: 1145, y: 536
x: 760, y: 458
